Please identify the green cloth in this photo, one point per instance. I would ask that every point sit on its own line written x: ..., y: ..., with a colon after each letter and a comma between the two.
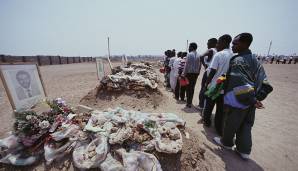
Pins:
x: 245, y: 70
x: 215, y: 91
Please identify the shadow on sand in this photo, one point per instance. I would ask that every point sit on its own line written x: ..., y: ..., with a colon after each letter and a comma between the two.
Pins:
x: 231, y: 159
x: 190, y: 110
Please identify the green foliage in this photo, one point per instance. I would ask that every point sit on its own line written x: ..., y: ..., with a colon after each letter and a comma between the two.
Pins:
x: 27, y: 122
x: 150, y: 124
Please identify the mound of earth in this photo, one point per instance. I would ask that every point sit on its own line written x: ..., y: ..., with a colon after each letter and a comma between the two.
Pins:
x: 129, y: 99
x: 192, y: 156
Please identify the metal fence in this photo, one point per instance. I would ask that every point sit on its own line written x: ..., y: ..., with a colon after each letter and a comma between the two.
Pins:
x: 45, y: 60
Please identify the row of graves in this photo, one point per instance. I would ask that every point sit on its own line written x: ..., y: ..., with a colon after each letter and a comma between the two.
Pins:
x: 102, y: 138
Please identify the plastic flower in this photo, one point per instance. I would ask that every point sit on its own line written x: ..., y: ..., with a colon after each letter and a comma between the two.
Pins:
x: 60, y: 101
x: 44, y: 124
x: 28, y: 117
x: 221, y: 79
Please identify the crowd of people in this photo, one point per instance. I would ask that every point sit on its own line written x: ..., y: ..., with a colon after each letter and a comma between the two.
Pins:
x: 278, y: 59
x: 233, y: 80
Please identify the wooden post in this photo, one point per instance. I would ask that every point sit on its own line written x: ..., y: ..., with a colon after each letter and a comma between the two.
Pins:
x: 51, y: 61
x: 67, y: 60
x: 186, y: 45
x: 269, y: 48
x: 2, y: 58
x: 38, y: 60
x: 109, y: 55
x: 59, y: 59
x: 41, y: 80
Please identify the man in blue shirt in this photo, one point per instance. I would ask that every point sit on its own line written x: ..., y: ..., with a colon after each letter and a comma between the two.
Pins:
x: 191, y: 71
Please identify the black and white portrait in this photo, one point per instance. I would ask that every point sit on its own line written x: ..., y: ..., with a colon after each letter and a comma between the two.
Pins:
x: 23, y: 85
x: 26, y: 86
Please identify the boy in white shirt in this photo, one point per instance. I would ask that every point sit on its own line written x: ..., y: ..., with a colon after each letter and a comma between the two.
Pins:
x: 218, y: 67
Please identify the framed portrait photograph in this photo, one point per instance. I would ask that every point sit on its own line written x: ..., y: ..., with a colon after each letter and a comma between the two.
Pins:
x: 100, y: 68
x: 23, y: 85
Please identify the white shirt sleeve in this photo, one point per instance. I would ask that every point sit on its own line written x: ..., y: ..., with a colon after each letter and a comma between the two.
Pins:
x: 215, y: 61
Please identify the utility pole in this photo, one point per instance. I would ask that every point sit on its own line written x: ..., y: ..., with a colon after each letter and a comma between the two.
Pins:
x: 186, y: 45
x: 269, y: 48
x: 109, y: 55
x: 109, y: 47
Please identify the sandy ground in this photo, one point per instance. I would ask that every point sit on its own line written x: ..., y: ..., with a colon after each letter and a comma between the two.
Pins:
x: 274, y: 133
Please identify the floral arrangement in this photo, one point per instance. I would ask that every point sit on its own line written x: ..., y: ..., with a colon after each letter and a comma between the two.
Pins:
x: 30, y: 126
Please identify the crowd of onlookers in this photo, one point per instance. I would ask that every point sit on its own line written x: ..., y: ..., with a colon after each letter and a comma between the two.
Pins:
x: 278, y: 59
x: 233, y: 80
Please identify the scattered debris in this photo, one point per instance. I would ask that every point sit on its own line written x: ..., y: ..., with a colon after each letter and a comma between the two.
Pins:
x: 109, y: 139
x: 83, y: 108
x: 137, y: 160
x: 91, y: 155
x: 136, y: 77
x: 186, y: 135
x: 169, y: 139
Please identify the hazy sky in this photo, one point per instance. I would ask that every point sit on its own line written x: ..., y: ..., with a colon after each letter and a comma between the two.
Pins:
x: 81, y: 27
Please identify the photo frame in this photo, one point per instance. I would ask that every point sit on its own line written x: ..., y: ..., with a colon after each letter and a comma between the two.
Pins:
x: 23, y: 84
x: 100, y: 68
x: 123, y: 61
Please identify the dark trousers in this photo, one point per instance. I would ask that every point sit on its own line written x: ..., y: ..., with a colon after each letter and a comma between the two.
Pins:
x: 167, y: 79
x: 238, y: 122
x: 180, y: 90
x: 202, y: 91
x: 284, y: 61
x: 192, y: 78
x: 219, y: 114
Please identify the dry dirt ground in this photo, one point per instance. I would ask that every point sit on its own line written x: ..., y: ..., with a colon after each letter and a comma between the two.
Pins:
x: 275, y: 136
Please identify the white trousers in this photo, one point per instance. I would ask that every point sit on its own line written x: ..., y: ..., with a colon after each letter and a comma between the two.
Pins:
x: 173, y: 80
